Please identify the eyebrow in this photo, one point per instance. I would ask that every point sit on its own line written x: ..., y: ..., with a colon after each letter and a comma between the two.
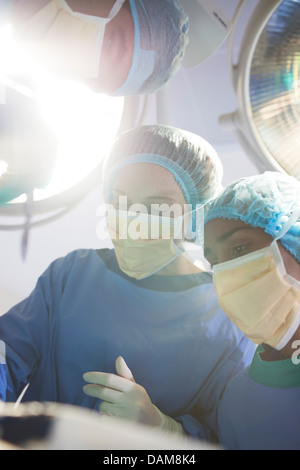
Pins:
x: 231, y: 232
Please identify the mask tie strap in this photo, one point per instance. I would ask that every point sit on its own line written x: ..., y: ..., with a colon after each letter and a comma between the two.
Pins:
x: 293, y: 218
x: 116, y: 8
x: 288, y: 335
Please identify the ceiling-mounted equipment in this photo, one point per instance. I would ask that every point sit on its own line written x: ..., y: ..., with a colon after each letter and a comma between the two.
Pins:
x: 28, y: 147
x: 266, y: 79
x: 209, y: 26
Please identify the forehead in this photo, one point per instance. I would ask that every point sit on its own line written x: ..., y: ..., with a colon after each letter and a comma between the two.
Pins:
x: 217, y: 231
x: 145, y: 179
x: 218, y: 226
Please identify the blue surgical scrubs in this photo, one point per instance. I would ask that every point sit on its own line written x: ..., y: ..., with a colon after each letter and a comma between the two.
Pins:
x: 260, y: 409
x: 84, y: 312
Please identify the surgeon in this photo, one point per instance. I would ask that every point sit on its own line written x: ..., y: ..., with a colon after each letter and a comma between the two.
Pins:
x: 252, y: 239
x: 119, y: 47
x: 134, y: 331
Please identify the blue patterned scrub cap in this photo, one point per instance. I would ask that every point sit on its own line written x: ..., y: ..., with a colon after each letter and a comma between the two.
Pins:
x: 160, y: 38
x: 266, y: 201
x: 194, y: 163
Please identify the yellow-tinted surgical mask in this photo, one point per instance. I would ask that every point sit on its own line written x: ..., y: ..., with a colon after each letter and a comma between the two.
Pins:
x: 65, y: 41
x: 259, y: 297
x: 144, y: 244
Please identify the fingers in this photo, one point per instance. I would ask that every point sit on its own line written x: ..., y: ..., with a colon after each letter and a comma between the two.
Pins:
x: 112, y: 381
x: 103, y: 393
x: 123, y: 370
x: 110, y: 387
x: 102, y: 385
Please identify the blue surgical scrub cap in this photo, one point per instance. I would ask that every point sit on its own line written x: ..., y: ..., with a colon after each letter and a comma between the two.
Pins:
x: 266, y: 201
x: 160, y: 39
x: 193, y: 162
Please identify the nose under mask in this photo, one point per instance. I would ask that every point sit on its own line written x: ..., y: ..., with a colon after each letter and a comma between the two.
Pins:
x: 144, y: 244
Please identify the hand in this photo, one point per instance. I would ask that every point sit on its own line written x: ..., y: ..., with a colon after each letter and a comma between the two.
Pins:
x: 122, y: 396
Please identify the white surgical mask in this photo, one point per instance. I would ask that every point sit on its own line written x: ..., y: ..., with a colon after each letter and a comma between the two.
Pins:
x: 258, y: 295
x: 143, y: 63
x: 65, y: 41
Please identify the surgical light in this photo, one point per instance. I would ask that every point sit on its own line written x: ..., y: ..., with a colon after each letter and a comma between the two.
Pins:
x: 266, y: 79
x: 84, y: 123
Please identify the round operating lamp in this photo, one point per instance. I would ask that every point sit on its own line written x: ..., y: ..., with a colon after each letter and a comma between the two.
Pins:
x: 267, y: 84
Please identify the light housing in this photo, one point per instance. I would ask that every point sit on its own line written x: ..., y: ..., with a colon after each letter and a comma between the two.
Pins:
x: 209, y: 26
x: 266, y: 80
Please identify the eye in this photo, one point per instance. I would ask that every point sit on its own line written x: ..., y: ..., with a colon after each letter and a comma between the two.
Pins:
x: 239, y: 250
x: 164, y: 209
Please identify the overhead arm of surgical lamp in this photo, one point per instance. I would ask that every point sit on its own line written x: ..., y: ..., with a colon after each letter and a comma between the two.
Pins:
x: 266, y: 80
x: 209, y: 26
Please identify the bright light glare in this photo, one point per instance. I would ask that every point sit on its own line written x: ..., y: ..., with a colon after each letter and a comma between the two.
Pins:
x: 14, y: 60
x: 3, y: 167
x: 84, y: 122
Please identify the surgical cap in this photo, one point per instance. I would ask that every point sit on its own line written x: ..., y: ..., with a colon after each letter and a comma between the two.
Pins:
x: 266, y: 201
x: 193, y: 162
x: 160, y: 39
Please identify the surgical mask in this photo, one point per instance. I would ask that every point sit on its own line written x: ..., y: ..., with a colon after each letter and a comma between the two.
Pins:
x: 144, y: 244
x: 70, y: 42
x: 258, y: 295
x: 143, y: 62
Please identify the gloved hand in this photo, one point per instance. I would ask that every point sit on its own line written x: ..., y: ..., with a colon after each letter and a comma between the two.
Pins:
x: 121, y: 396
x: 124, y: 398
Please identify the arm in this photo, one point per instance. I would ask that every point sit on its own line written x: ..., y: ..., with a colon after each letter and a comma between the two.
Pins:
x: 21, y: 330
x: 3, y: 372
x: 26, y: 330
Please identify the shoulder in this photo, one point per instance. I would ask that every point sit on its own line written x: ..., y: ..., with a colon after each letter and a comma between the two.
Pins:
x: 84, y: 255
x: 81, y: 259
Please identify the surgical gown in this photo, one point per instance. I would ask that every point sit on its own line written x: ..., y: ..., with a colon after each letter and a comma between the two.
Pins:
x: 260, y: 407
x: 84, y: 312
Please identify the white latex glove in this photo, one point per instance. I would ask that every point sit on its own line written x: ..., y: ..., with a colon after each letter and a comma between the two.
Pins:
x: 124, y: 398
